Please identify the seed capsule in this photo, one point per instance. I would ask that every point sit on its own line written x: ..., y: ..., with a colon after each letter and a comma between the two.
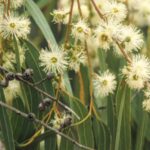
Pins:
x: 50, y: 75
x: 44, y: 104
x: 31, y: 116
x: 10, y: 76
x: 27, y: 74
x: 41, y: 106
x: 67, y: 122
x: 47, y: 102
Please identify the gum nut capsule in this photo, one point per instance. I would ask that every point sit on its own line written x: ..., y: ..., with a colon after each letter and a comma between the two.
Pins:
x: 10, y: 76
x: 41, y: 106
x: 47, y: 101
x: 50, y: 75
x: 28, y: 72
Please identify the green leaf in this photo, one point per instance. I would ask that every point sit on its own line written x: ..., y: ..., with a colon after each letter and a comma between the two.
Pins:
x: 142, y: 120
x: 141, y: 132
x: 123, y: 135
x: 85, y: 129
x: 51, y: 142
x: 102, y: 60
x: 111, y: 118
x: 65, y: 144
x: 102, y: 135
x: 40, y: 20
x: 16, y: 120
x: 5, y: 124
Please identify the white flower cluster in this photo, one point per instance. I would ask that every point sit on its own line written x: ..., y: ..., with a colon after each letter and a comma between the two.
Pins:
x: 76, y: 56
x: 110, y: 30
x: 59, y: 61
x: 104, y: 84
x: 53, y: 61
x: 139, y: 12
x: 61, y: 121
x: 137, y: 73
x: 60, y: 16
x: 9, y: 59
x: 80, y: 30
x: 14, y: 26
x: 17, y: 3
x: 11, y: 24
x: 12, y: 91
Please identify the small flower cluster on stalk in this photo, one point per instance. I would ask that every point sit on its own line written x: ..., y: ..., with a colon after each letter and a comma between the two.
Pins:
x: 61, y: 121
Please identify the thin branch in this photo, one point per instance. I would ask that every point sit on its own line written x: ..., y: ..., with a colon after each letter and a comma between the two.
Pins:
x: 5, y: 8
x: 40, y: 82
x: 90, y: 71
x: 124, y: 53
x: 69, y: 22
x: 79, y: 8
x: 19, y: 78
x: 98, y: 11
x: 88, y: 57
x: 8, y: 8
x: 33, y: 118
x: 49, y: 96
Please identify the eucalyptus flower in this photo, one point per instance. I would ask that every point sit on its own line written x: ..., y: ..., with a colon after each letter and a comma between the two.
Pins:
x: 14, y: 26
x: 53, y: 61
x: 104, y: 84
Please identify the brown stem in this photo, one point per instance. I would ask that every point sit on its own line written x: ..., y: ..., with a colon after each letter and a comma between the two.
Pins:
x: 82, y: 96
x: 90, y: 72
x: 90, y: 67
x: 124, y: 53
x: 79, y: 8
x: 5, y: 9
x: 98, y: 11
x: 8, y: 8
x: 69, y: 23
